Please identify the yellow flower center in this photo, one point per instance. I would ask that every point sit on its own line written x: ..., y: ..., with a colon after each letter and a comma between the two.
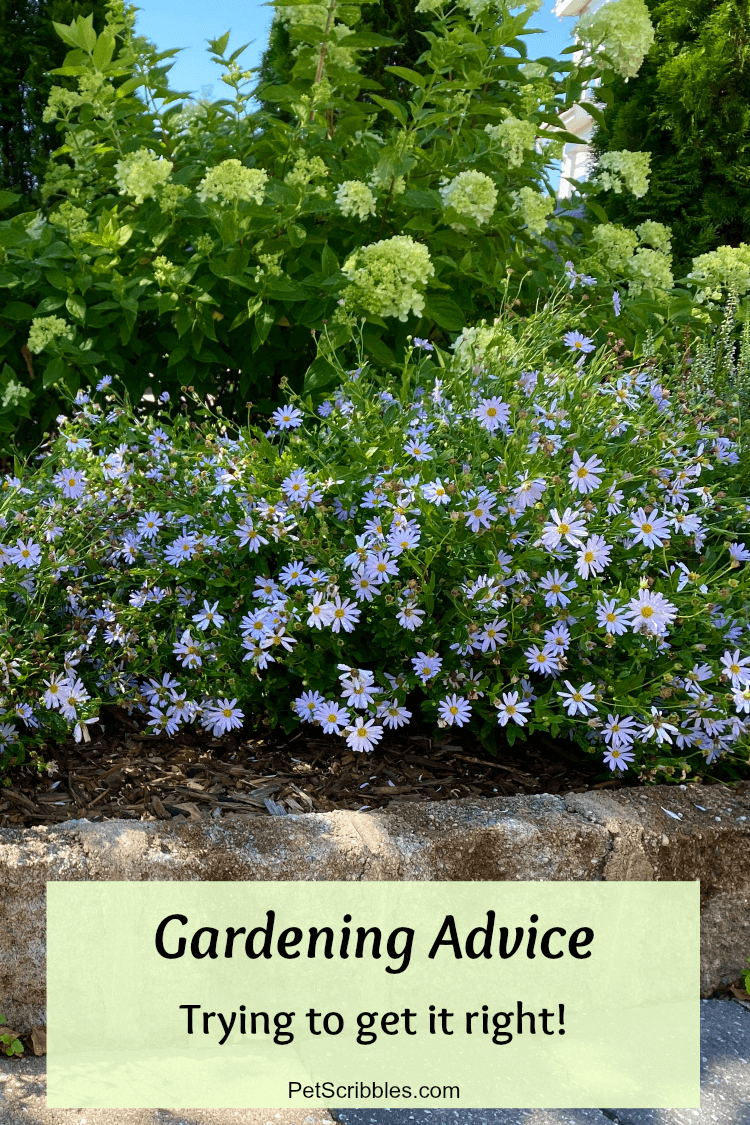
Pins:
x: 647, y: 611
x: 563, y: 528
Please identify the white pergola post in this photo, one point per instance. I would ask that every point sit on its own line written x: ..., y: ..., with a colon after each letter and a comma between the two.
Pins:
x: 576, y: 157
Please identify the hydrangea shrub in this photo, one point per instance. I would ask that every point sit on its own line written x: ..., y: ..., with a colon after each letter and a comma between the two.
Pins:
x: 209, y: 243
x: 520, y: 534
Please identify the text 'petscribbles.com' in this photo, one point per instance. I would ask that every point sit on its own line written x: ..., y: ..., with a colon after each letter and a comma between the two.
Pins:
x: 362, y: 1091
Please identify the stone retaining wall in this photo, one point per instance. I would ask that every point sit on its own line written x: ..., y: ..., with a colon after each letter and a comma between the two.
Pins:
x: 626, y: 835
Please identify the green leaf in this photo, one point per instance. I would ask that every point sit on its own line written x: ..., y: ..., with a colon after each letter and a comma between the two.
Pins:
x: 128, y: 87
x: 312, y: 312
x: 377, y: 348
x: 177, y: 354
x: 54, y: 372
x: 598, y: 115
x: 421, y: 199
x: 296, y: 234
x: 264, y: 322
x: 279, y: 192
x: 219, y: 46
x: 409, y: 75
x: 68, y: 34
x: 17, y: 310
x: 366, y: 39
x: 57, y: 279
x: 7, y: 198
x: 329, y: 263
x: 86, y: 32
x: 10, y: 236
x: 394, y: 108
x: 285, y: 289
x: 445, y: 312
x: 76, y: 306
x: 103, y: 51
x: 182, y: 321
x: 628, y: 684
x: 49, y: 305
x: 596, y: 210
x: 319, y: 374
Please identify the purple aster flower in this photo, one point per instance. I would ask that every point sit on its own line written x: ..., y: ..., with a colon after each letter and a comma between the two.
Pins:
x: 578, y: 343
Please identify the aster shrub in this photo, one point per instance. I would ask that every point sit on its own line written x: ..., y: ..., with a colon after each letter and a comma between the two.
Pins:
x: 208, y: 243
x: 521, y: 533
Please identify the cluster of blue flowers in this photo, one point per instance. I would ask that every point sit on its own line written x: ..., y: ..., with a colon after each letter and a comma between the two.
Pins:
x: 543, y: 548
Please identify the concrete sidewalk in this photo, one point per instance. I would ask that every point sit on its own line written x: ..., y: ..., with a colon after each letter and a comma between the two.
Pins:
x: 725, y: 1096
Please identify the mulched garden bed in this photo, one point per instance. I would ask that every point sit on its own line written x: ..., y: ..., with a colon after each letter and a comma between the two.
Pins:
x: 124, y: 774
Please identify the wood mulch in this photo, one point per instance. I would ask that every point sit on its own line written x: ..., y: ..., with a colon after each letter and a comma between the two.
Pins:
x: 124, y: 774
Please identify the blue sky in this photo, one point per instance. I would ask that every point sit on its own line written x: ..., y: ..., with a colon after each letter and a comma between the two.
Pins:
x: 189, y: 23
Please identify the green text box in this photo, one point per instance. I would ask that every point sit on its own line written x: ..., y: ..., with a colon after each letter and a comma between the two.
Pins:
x: 555, y: 994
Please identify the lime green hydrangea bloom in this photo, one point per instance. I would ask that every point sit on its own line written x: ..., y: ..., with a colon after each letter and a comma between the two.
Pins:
x: 623, y: 28
x: 625, y: 169
x: 314, y: 15
x: 232, y: 181
x: 534, y: 208
x: 725, y: 268
x: 45, y: 329
x: 388, y: 277
x: 648, y: 269
x: 515, y: 137
x: 472, y: 194
x: 141, y: 173
x: 171, y: 196
x: 203, y: 244
x: 475, y: 8
x: 656, y: 235
x: 305, y: 170
x: 164, y: 271
x: 74, y: 219
x: 59, y: 103
x: 355, y: 198
x: 615, y: 245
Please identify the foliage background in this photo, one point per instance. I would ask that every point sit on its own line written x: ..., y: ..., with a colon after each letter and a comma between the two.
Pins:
x: 29, y: 48
x: 689, y: 107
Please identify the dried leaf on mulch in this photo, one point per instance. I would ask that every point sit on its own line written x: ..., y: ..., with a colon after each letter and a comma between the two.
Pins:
x: 741, y: 995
